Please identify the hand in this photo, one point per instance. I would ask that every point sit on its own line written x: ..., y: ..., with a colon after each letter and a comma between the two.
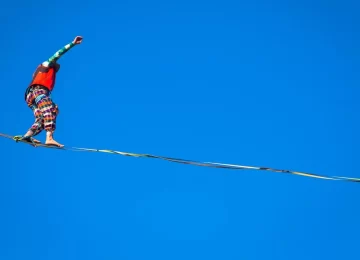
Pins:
x: 77, y: 40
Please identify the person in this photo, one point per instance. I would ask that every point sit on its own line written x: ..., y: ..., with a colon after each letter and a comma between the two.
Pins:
x: 38, y: 97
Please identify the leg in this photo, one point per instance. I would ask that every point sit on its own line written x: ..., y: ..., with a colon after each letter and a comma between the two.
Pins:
x: 49, y: 113
x: 34, y: 130
x: 38, y: 125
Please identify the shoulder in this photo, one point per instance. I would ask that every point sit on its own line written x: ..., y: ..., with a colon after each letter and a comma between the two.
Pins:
x: 45, y: 64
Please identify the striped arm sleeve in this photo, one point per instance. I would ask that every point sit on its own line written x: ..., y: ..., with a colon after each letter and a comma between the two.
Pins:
x: 58, y: 54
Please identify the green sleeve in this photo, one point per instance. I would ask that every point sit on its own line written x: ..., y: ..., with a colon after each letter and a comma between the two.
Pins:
x: 60, y: 52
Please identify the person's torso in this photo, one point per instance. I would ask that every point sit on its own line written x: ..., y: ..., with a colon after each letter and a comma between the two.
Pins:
x: 44, y: 76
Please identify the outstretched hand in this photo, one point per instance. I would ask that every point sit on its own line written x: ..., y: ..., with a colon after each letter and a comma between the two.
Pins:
x: 77, y: 40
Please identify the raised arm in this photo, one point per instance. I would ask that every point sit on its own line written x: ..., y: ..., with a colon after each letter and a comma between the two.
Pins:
x: 62, y: 51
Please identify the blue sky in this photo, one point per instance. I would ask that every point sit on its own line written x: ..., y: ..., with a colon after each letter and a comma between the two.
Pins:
x: 254, y: 83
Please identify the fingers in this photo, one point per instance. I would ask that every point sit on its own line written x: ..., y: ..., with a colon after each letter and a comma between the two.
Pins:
x: 78, y: 39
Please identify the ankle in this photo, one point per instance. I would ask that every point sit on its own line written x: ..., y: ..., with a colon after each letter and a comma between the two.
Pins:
x: 49, y: 135
x: 29, y: 133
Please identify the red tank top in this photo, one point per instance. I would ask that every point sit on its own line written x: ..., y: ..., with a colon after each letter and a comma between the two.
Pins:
x: 44, y: 76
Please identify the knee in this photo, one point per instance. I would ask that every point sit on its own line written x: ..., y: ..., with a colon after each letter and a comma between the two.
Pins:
x: 55, y: 110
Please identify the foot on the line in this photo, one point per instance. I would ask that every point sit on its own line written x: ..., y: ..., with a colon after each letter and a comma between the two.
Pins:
x: 31, y: 140
x: 54, y: 143
x: 27, y: 139
x: 35, y: 141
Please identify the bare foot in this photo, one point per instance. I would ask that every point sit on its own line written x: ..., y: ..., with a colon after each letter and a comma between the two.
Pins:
x: 35, y: 141
x: 53, y: 142
x: 50, y: 140
x: 28, y: 139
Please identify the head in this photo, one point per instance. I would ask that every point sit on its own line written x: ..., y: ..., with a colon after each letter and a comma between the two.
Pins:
x: 56, y: 66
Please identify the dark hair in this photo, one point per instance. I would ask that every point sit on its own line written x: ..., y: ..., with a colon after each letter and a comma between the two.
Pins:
x: 56, y: 66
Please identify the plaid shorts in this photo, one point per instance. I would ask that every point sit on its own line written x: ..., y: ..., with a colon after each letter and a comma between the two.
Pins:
x: 44, y: 109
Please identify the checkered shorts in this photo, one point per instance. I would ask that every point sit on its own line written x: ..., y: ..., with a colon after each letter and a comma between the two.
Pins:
x: 44, y: 109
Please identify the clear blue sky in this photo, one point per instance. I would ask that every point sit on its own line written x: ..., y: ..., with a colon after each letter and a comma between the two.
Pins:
x: 249, y: 82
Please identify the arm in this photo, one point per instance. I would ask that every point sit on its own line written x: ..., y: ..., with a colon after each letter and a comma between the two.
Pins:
x: 62, y: 51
